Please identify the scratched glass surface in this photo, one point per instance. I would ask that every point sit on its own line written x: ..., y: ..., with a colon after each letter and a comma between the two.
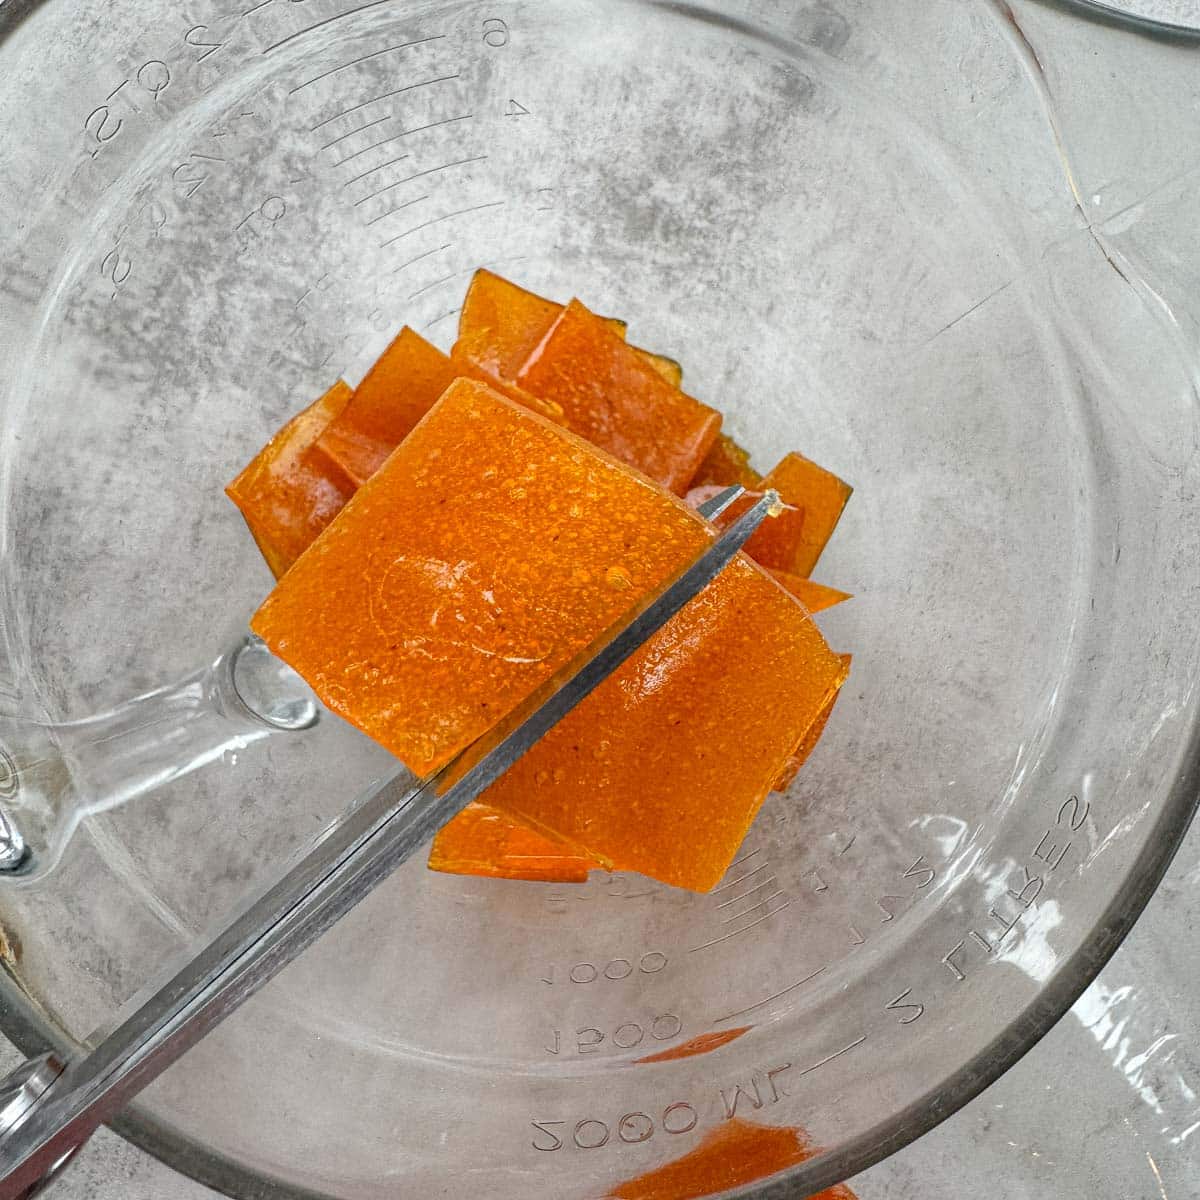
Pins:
x: 900, y: 241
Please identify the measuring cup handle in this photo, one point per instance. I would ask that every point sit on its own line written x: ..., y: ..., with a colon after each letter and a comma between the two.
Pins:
x: 52, y: 776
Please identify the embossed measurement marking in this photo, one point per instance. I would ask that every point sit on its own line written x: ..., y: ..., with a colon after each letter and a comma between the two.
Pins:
x: 291, y: 37
x: 387, y: 187
x: 391, y: 162
x: 396, y: 137
x: 437, y: 37
x: 752, y: 1092
x: 459, y: 212
x: 438, y: 283
x: 106, y: 122
x: 400, y: 91
x: 398, y: 208
x: 774, y: 996
x: 737, y: 862
x: 344, y: 136
x: 750, y: 873
x: 744, y: 929
x: 494, y: 265
x: 632, y: 1128
x: 341, y: 162
x: 453, y: 312
x: 419, y: 257
x: 769, y: 882
x: 616, y: 969
x: 753, y: 877
x: 917, y: 877
x: 1020, y: 902
x: 765, y: 1088
x: 836, y: 1054
x: 629, y: 1034
x: 770, y: 885
x: 619, y: 887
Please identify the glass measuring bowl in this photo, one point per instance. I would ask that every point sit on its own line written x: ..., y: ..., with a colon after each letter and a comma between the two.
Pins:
x: 900, y: 242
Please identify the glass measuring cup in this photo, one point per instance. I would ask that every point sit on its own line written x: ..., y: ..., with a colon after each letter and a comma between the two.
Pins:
x: 854, y: 228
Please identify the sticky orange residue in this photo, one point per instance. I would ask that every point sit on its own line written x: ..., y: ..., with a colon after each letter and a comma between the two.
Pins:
x: 734, y: 1154
x: 502, y: 324
x: 478, y: 560
x: 726, y: 464
x: 816, y: 597
x: 820, y: 494
x: 668, y: 368
x: 287, y: 495
x: 706, y: 1043
x: 301, y: 480
x: 484, y: 841
x: 811, y: 737
x: 504, y: 845
x: 610, y: 395
x: 466, y: 571
x: 394, y: 395
x: 662, y: 769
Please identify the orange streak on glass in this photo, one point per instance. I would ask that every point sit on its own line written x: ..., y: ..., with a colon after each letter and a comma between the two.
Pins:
x: 706, y: 1043
x: 734, y: 1154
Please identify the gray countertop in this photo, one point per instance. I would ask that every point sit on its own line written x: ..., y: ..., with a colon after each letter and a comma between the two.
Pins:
x: 1107, y: 1107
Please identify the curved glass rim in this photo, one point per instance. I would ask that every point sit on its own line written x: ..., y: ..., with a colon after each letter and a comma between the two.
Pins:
x: 32, y: 1031
x: 1112, y: 14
